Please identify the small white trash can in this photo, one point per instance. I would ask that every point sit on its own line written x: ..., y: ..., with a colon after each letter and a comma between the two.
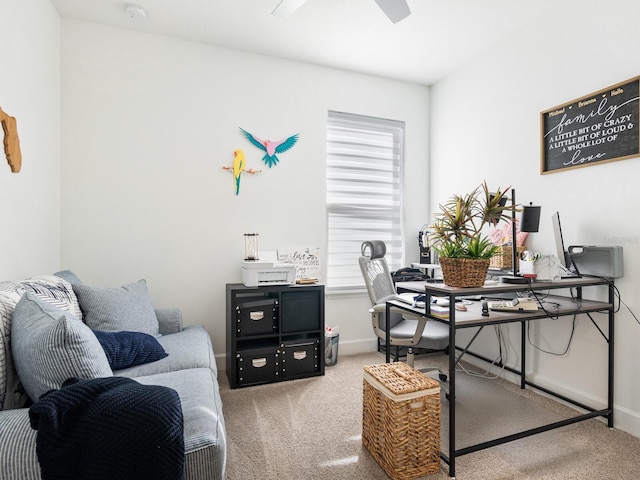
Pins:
x: 331, y: 339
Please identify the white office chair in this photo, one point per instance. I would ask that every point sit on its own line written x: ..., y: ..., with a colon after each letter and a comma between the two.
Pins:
x: 405, y: 329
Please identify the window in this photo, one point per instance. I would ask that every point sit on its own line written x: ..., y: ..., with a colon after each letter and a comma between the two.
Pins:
x: 364, y: 194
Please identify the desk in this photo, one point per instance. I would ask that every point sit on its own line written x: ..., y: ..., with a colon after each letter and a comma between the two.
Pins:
x: 473, y: 318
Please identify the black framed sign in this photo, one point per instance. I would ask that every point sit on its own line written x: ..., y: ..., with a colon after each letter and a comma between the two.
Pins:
x: 598, y: 128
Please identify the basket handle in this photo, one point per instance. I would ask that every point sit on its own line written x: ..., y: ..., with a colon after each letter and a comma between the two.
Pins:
x: 402, y: 374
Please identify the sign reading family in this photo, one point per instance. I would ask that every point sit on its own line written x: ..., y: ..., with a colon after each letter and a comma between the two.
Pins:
x: 598, y: 128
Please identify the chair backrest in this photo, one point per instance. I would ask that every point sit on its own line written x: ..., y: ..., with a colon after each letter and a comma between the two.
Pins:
x: 375, y: 272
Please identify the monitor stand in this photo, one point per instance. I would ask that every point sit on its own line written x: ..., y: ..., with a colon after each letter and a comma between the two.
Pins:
x: 514, y: 279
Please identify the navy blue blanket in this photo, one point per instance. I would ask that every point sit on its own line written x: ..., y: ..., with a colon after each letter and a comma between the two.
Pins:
x: 109, y: 428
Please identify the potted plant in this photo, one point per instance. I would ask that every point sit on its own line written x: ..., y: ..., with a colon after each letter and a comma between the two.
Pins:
x: 457, y: 236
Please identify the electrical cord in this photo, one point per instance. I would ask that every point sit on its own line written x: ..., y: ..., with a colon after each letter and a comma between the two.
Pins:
x: 502, y: 359
x: 541, y: 300
x: 573, y: 326
x: 558, y: 354
x: 616, y: 295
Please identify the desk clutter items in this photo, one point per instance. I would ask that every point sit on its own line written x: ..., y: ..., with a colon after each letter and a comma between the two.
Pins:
x: 501, y: 237
x: 547, y: 268
x: 306, y: 260
x: 401, y: 420
x: 528, y: 263
x: 503, y: 259
x: 515, y: 305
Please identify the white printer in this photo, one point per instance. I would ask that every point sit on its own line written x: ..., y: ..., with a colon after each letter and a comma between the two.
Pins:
x: 265, y: 272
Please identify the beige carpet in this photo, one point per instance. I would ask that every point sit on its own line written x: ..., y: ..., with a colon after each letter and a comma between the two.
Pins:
x: 310, y: 429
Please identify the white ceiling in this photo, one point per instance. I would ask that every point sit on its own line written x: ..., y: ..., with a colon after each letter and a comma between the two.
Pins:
x: 437, y: 38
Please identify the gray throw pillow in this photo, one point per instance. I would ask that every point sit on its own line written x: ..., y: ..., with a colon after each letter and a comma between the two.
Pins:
x: 126, y: 308
x: 50, y: 345
x: 69, y: 276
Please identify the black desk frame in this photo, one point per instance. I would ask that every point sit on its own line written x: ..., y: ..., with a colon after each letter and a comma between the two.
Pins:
x: 472, y: 318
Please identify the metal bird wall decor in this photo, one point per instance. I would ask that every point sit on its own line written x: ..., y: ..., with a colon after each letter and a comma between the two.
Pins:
x: 271, y: 147
x: 238, y: 168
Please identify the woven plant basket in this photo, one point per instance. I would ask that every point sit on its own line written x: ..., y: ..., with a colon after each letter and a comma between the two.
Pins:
x: 504, y: 257
x: 464, y: 272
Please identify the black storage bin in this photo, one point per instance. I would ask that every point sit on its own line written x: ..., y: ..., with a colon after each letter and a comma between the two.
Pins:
x: 257, y: 317
x: 258, y: 366
x: 300, y: 310
x: 300, y: 357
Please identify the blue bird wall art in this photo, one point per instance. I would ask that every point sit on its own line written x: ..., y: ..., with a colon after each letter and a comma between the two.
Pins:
x: 270, y: 147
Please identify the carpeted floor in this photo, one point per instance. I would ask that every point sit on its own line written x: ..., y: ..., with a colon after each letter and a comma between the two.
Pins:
x: 311, y: 429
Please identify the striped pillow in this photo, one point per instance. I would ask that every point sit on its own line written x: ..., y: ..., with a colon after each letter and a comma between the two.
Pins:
x: 52, y: 289
x: 126, y: 308
x: 51, y: 345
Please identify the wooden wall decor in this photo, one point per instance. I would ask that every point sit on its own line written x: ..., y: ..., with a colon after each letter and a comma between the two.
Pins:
x: 598, y: 128
x: 11, y: 141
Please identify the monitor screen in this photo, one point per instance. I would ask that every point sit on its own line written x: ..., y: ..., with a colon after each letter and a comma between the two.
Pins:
x: 557, y: 233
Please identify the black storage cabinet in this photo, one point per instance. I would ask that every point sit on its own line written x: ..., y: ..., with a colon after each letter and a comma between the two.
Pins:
x: 274, y: 333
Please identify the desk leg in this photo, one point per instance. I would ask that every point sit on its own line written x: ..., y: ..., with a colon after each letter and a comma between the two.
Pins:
x: 387, y: 334
x: 523, y: 353
x: 452, y: 396
x: 611, y: 360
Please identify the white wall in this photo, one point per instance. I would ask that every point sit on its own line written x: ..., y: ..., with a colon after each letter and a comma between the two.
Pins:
x: 490, y: 111
x: 30, y: 92
x: 148, y: 123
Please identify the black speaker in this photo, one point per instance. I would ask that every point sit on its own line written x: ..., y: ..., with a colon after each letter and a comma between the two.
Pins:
x: 423, y: 244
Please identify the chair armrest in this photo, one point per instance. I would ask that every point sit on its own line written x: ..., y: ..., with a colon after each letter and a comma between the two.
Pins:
x: 169, y: 320
x: 382, y: 308
x: 378, y: 312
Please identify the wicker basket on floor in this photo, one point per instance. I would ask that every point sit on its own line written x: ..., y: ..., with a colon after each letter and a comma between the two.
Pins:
x: 401, y: 420
x: 504, y: 257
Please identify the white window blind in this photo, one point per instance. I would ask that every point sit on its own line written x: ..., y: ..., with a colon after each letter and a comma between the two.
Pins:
x: 364, y: 193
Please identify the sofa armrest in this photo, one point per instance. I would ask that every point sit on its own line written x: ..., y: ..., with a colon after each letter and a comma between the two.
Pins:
x: 169, y: 320
x: 18, y: 457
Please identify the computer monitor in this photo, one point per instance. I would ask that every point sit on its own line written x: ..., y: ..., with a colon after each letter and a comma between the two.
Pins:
x: 561, y: 252
x: 557, y: 234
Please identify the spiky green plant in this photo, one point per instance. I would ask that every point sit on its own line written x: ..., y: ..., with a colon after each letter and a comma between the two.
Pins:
x: 456, y: 231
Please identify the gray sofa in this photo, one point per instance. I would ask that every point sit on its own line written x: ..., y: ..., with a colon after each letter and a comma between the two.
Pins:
x: 188, y: 364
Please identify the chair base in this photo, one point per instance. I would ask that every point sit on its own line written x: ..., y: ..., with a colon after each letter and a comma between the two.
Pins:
x: 399, y: 353
x: 408, y: 353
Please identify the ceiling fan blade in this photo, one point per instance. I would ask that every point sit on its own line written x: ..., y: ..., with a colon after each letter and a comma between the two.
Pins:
x: 287, y: 7
x: 396, y: 10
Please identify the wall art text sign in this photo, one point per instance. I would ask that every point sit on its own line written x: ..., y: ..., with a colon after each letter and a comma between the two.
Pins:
x: 598, y: 128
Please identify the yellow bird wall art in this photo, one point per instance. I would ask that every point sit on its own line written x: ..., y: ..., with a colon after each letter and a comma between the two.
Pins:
x: 238, y: 168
